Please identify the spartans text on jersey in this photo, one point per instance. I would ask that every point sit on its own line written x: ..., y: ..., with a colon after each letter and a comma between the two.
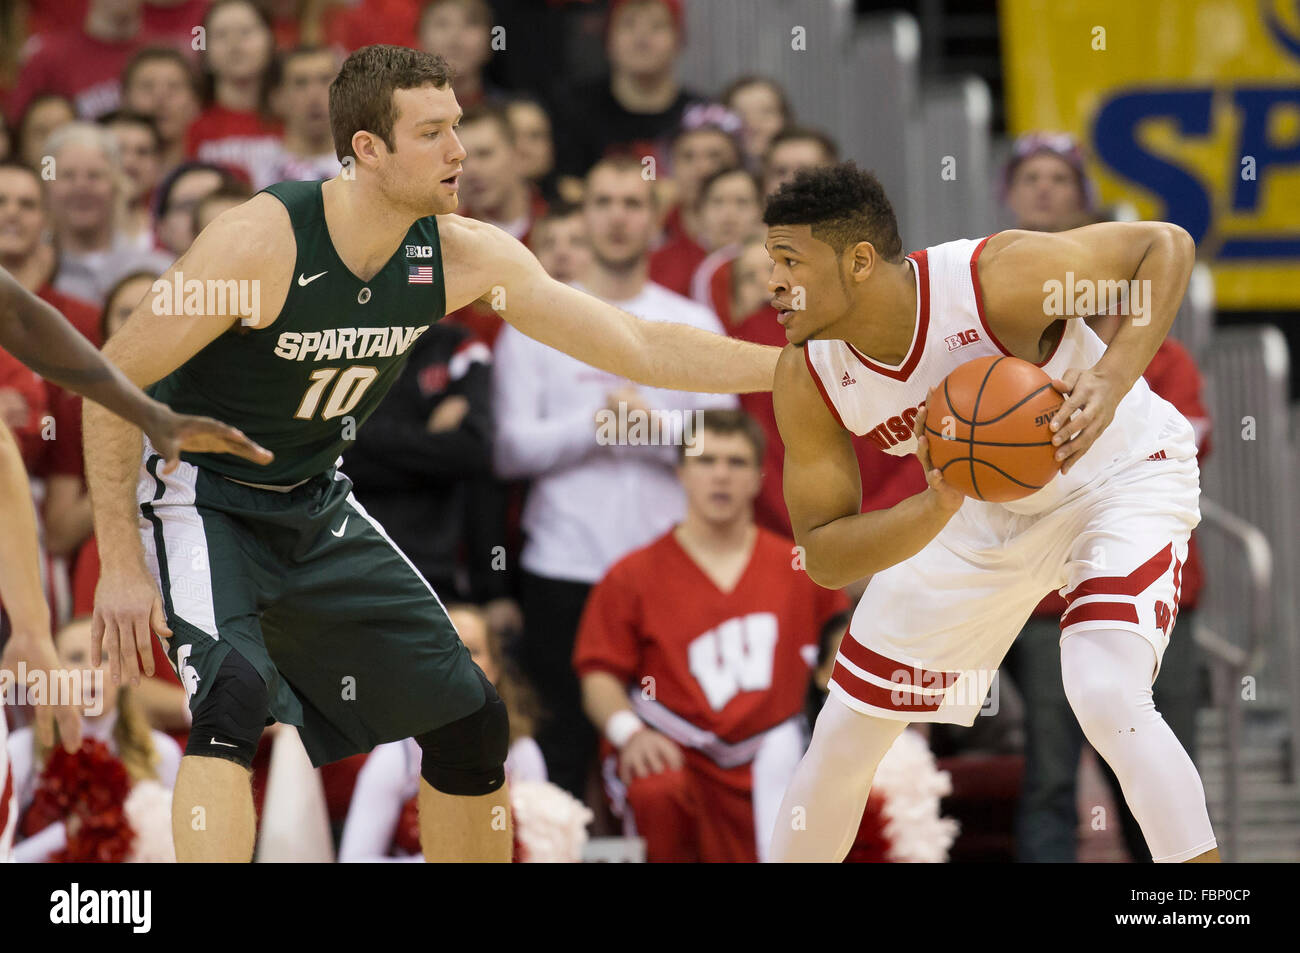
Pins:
x: 351, y: 343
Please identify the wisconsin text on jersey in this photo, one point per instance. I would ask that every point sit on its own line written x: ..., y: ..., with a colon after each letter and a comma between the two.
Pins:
x: 351, y: 343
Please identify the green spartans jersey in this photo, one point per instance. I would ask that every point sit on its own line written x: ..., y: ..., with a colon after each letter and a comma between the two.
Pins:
x: 302, y: 386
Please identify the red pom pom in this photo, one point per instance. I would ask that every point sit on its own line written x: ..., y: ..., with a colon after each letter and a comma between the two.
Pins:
x: 87, y: 790
x: 872, y: 845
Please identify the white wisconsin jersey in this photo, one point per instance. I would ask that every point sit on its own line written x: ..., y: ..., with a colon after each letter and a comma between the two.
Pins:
x: 881, y: 401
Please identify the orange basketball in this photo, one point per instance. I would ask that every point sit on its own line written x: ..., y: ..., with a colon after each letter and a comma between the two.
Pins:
x: 989, y: 428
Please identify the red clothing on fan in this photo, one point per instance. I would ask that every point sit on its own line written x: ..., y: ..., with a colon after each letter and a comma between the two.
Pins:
x: 173, y: 22
x: 231, y: 137
x: 673, y: 265
x: 86, y: 70
x: 374, y: 21
x: 733, y: 664
x: 27, y: 384
x: 83, y: 315
x: 698, y: 813
x: 631, y: 630
x: 63, y: 454
x: 1173, y: 375
x: 886, y: 480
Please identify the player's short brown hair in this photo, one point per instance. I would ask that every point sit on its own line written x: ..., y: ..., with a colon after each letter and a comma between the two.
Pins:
x: 727, y: 422
x: 361, y: 96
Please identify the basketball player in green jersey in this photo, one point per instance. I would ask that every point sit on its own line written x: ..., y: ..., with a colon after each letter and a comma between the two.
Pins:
x: 279, y: 598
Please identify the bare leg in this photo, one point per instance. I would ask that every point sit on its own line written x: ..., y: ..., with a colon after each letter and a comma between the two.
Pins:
x: 823, y: 806
x: 212, y: 811
x: 466, y: 829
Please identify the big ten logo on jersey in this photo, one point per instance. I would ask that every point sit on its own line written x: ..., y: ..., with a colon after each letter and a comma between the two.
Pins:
x: 734, y: 657
x: 962, y: 338
x: 419, y: 251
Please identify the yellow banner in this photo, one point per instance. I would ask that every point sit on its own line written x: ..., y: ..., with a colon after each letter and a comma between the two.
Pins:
x: 1190, y: 109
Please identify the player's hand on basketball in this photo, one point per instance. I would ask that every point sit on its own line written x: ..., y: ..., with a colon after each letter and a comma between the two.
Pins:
x: 946, y: 495
x: 173, y: 432
x: 128, y: 609
x: 1090, y: 402
x: 34, y: 650
x: 648, y: 752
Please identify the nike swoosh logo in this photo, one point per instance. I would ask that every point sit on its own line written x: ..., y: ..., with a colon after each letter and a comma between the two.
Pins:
x: 303, y: 280
x: 224, y: 744
x: 341, y: 529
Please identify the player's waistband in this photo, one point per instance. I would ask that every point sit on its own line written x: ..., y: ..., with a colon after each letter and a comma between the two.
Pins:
x: 724, y: 754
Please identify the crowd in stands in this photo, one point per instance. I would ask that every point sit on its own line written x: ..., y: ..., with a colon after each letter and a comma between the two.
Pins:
x: 640, y: 607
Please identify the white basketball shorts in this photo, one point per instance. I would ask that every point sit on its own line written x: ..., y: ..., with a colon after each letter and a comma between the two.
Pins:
x: 930, y: 632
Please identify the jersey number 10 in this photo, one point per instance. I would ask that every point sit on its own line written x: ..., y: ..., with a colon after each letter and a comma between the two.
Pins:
x: 349, y: 387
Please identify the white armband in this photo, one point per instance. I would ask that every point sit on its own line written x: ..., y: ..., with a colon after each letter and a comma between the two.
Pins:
x: 622, y: 725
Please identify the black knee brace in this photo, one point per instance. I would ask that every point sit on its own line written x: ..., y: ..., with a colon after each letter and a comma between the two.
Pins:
x: 467, y: 758
x: 230, y: 719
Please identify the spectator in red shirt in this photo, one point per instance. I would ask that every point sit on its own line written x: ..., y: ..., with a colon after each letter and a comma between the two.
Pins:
x: 160, y: 83
x: 795, y: 148
x: 84, y: 63
x: 45, y: 113
x: 764, y: 110
x: 705, y: 145
x: 731, y: 214
x: 140, y: 149
x: 460, y: 31
x: 234, y: 128
x: 695, y: 655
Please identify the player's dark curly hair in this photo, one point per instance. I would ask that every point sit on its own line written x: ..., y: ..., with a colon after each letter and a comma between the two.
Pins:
x: 843, y: 204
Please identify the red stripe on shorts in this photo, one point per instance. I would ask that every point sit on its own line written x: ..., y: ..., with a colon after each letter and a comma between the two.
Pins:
x: 879, y: 697
x: 1132, y: 584
x: 1105, y: 611
x: 887, y: 669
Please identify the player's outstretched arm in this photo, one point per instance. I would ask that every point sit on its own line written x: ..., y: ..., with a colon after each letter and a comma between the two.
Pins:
x: 823, y: 490
x: 41, y: 338
x: 23, y: 596
x: 483, y: 261
x: 252, y: 242
x: 1026, y: 277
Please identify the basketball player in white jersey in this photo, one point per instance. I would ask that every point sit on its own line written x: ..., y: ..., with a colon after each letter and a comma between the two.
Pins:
x: 954, y: 579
